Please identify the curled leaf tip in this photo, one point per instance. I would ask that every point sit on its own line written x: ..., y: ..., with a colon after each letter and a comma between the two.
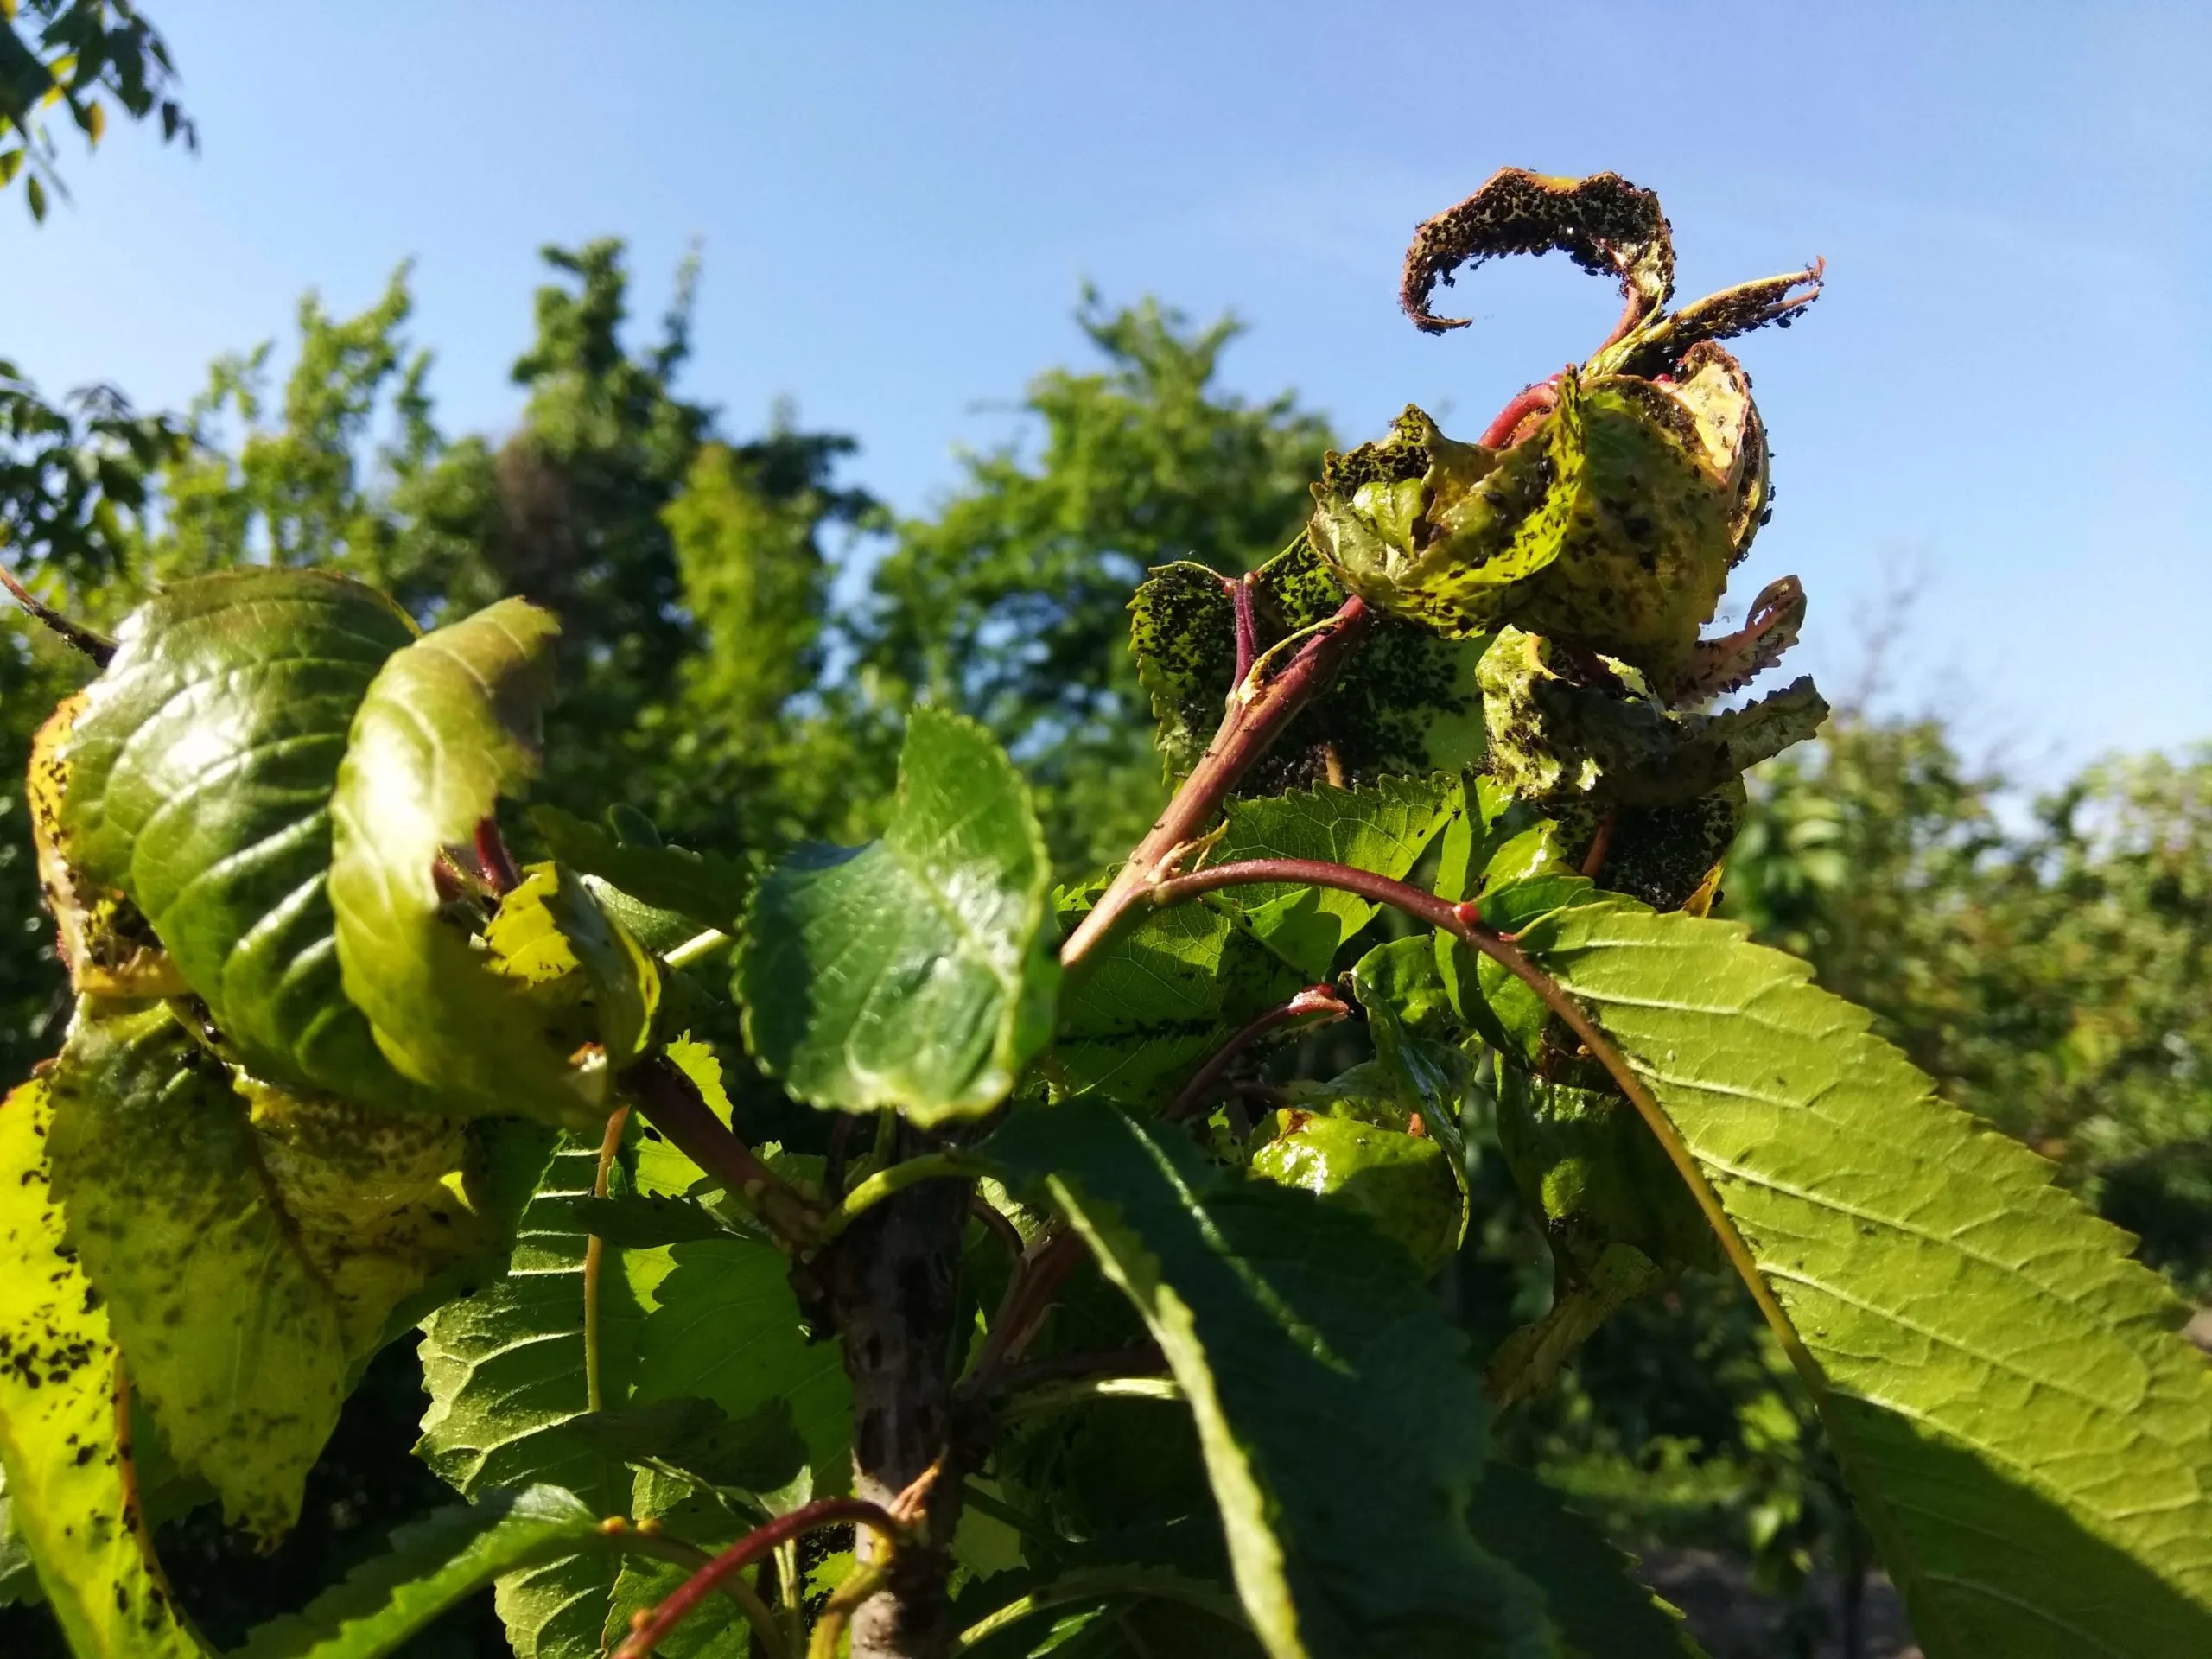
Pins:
x: 1605, y: 224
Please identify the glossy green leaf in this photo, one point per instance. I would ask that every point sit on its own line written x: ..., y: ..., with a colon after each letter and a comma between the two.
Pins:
x: 200, y: 781
x: 1159, y: 997
x: 2028, y: 1439
x: 66, y: 1488
x: 708, y: 889
x: 449, y: 725
x: 1384, y: 827
x: 229, y: 1333
x: 1595, y: 1608
x: 1405, y: 705
x: 1342, y: 1426
x: 916, y: 972
x: 432, y: 1564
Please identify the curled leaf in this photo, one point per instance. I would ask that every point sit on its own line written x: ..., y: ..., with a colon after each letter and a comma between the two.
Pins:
x: 449, y: 725
x: 552, y: 934
x: 1605, y: 224
x: 1401, y: 1184
x: 1735, y: 660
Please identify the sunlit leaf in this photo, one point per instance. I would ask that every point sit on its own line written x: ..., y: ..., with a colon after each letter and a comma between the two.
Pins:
x: 199, y: 781
x: 2026, y: 1436
x: 449, y: 725
x: 916, y: 972
x: 68, y: 1492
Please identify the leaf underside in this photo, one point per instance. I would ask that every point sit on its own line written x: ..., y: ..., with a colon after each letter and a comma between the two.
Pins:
x: 2030, y: 1441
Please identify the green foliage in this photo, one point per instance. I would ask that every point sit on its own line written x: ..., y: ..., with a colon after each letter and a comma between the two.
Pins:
x: 2000, y: 1383
x: 448, y: 727
x: 219, y: 728
x: 1278, y: 1314
x: 914, y: 973
x: 343, y: 1065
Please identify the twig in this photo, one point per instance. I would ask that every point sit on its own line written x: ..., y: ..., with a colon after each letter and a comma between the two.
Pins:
x: 1090, y: 1584
x: 653, y: 1628
x: 1314, y: 999
x: 1258, y: 710
x: 670, y: 1102
x: 1463, y: 922
x: 865, y: 1580
x: 91, y: 642
x: 697, y: 947
x: 1142, y: 1359
x: 644, y: 1539
x: 493, y: 858
x: 595, y: 1255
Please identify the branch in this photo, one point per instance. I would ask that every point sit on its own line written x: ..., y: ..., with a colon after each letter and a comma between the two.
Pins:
x: 1090, y: 1584
x: 1258, y: 710
x: 1314, y: 999
x: 670, y: 1102
x: 653, y: 1628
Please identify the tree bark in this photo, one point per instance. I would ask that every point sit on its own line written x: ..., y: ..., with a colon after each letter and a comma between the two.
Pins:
x: 889, y: 1286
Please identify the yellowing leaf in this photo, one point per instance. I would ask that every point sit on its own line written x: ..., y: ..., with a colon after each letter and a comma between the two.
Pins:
x: 68, y: 1481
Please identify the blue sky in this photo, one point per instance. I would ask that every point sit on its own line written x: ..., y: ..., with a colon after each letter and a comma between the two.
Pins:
x: 2003, y: 397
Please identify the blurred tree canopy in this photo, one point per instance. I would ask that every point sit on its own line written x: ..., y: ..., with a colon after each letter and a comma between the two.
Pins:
x: 62, y: 56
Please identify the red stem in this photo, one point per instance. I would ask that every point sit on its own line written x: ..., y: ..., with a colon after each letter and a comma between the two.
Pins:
x: 825, y: 1512
x: 670, y: 1102
x: 1256, y: 714
x: 1314, y: 999
x: 1528, y: 401
x: 1458, y: 920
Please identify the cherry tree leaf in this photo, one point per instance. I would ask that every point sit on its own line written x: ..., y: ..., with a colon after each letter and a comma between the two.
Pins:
x: 448, y: 727
x: 67, y: 1487
x: 1341, y: 1423
x: 199, y: 783
x: 2028, y: 1438
x: 916, y: 972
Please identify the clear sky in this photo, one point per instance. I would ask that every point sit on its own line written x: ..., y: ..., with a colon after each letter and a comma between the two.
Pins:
x: 2003, y: 395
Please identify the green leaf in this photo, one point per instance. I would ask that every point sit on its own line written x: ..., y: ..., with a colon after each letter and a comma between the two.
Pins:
x: 199, y: 778
x: 708, y: 889
x: 1597, y: 1610
x: 1418, y: 1038
x: 1384, y: 827
x: 915, y: 972
x: 432, y: 1564
x: 505, y: 1371
x: 552, y: 934
x: 1401, y: 1184
x: 1404, y: 706
x: 728, y: 1329
x: 449, y: 725
x: 1159, y: 997
x: 1342, y: 1428
x: 229, y: 1335
x: 65, y: 1476
x: 2026, y: 1437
